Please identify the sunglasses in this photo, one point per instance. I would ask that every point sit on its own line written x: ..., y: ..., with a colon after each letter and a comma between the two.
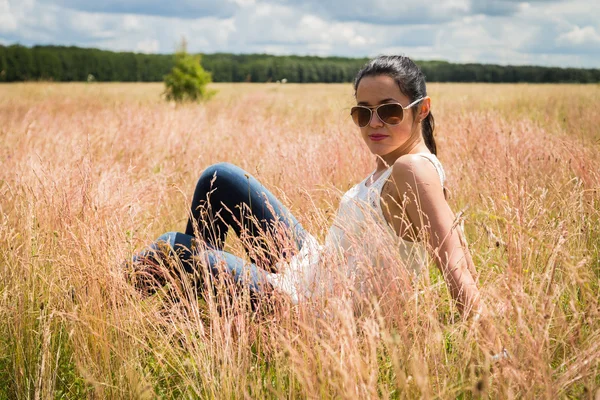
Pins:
x: 388, y: 113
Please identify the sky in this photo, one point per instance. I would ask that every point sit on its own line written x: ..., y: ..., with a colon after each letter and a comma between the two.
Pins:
x: 562, y: 33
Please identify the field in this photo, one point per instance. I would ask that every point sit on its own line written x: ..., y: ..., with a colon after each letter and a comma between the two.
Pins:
x: 91, y: 173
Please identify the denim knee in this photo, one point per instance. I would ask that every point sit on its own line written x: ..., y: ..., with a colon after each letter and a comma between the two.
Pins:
x: 168, y: 237
x: 158, y: 249
x: 222, y: 170
x: 224, y: 174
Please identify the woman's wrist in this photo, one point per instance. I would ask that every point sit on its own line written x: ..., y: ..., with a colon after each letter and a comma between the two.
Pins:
x: 491, y: 340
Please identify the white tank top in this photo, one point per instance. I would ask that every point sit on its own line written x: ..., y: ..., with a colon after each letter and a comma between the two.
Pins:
x: 358, y: 218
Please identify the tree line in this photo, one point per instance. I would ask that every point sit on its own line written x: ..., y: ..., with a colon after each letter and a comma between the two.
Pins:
x: 66, y: 64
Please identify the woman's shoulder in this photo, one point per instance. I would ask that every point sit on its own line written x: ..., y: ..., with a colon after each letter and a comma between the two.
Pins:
x: 419, y: 168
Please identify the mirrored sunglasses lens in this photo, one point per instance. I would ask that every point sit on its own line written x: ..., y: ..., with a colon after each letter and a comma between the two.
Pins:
x: 391, y: 114
x: 361, y: 116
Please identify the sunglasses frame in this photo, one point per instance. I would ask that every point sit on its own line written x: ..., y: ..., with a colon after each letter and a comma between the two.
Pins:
x: 375, y: 109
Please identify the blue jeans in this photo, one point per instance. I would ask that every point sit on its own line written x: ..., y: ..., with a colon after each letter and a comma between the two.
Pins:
x: 227, y: 197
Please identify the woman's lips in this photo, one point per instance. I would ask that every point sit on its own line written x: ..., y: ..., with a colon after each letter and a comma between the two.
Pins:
x: 377, y: 137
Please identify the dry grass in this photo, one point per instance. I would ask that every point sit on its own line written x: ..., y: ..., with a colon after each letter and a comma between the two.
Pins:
x: 91, y: 173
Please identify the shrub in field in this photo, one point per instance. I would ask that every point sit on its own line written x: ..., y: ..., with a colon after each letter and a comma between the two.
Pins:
x: 187, y: 80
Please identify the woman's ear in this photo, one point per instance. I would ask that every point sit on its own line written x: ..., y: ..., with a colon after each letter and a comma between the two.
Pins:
x: 424, y: 108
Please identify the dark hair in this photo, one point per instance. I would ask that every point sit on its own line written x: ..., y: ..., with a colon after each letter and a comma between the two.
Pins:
x: 410, y: 80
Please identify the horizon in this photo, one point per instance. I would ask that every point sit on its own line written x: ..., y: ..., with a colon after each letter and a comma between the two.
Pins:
x: 300, y: 56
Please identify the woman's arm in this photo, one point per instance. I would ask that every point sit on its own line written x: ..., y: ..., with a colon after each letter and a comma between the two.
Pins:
x: 423, y: 200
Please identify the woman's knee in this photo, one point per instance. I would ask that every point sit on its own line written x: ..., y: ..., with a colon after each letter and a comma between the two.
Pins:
x: 168, y: 238
x: 222, y: 175
x: 176, y: 241
x: 221, y: 171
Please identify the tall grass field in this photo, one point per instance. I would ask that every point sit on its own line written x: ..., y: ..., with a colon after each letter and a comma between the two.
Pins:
x: 91, y: 173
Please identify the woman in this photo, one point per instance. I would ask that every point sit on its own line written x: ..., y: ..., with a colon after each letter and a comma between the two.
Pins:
x: 405, y: 193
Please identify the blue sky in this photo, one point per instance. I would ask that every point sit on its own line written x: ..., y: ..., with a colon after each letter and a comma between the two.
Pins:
x: 539, y: 32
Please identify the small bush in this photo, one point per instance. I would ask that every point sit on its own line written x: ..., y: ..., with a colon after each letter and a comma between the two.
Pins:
x: 187, y: 80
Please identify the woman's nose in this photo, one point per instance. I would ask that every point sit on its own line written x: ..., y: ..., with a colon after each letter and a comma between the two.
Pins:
x: 375, y: 122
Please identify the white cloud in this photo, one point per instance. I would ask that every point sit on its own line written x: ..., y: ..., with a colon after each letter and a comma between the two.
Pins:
x: 358, y: 41
x: 94, y: 25
x: 147, y: 46
x: 8, y: 22
x: 580, y: 37
x: 131, y: 23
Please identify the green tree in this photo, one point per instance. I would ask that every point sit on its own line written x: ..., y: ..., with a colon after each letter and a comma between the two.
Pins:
x: 3, y: 64
x: 187, y: 80
x: 48, y: 64
x: 19, y: 64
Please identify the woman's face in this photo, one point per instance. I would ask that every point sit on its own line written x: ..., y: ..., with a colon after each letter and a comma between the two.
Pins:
x: 381, y: 138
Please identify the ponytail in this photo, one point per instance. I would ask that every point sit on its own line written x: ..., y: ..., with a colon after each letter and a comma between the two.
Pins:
x: 427, y: 127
